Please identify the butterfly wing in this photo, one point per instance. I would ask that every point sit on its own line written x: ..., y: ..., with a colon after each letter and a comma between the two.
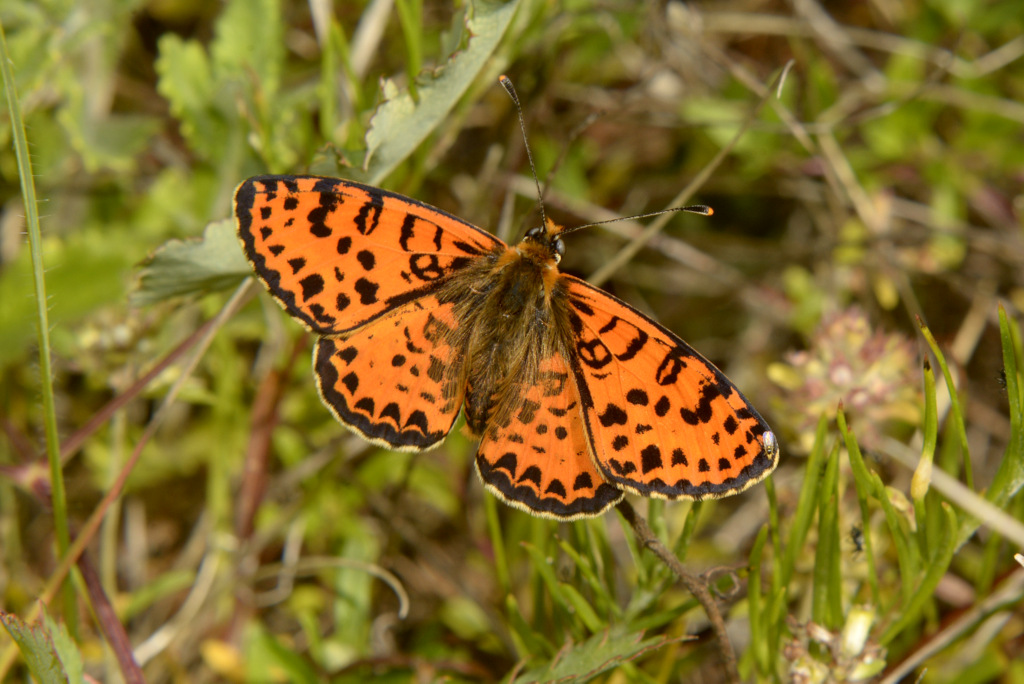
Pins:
x: 662, y: 419
x: 539, y: 461
x: 397, y: 381
x: 337, y: 254
x: 360, y: 266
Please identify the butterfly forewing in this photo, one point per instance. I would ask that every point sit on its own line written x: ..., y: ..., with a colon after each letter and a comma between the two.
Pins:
x: 397, y: 380
x: 337, y: 254
x: 663, y: 420
x: 540, y: 460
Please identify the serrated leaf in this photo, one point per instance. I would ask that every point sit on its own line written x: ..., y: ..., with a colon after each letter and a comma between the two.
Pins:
x: 182, y: 268
x: 597, y: 654
x: 401, y: 123
x: 36, y: 648
x: 186, y: 81
x: 66, y: 649
x: 250, y: 40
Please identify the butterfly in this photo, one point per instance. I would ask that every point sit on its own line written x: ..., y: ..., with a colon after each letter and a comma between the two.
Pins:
x: 575, y: 396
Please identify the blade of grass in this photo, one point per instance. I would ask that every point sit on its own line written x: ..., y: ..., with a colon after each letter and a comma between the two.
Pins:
x: 922, y: 479
x: 906, y: 549
x: 864, y: 486
x: 954, y: 402
x: 497, y: 545
x: 807, y: 503
x: 937, y: 564
x: 1010, y: 476
x: 682, y: 544
x: 756, y: 611
x: 410, y: 17
x: 35, y: 242
x: 826, y: 606
x: 586, y: 570
x: 529, y: 642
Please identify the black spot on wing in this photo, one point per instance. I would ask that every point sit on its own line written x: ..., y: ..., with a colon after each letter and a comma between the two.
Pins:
x: 650, y: 458
x: 367, y: 290
x: 702, y: 413
x: 312, y: 285
x: 556, y: 487
x: 613, y: 415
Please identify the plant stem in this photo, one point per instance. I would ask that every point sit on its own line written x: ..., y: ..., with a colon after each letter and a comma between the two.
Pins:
x: 693, y: 584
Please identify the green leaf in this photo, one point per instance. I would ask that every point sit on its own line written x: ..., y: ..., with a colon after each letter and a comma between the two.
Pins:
x: 41, y: 655
x: 401, y: 123
x: 186, y: 80
x: 67, y: 651
x: 181, y: 268
x: 590, y: 658
x: 250, y: 40
x: 269, y: 660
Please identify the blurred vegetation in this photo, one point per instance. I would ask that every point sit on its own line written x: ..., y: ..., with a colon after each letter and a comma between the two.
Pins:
x: 866, y: 248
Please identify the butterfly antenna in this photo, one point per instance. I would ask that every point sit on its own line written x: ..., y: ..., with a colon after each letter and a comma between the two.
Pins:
x: 702, y: 209
x: 506, y: 82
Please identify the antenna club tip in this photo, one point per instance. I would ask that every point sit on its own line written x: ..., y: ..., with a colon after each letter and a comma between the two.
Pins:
x: 502, y: 78
x: 709, y: 212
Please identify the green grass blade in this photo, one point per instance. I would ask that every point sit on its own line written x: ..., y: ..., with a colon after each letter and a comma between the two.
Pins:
x: 35, y: 241
x: 922, y: 479
x: 410, y: 17
x: 906, y: 549
x: 808, y: 501
x: 864, y: 486
x: 586, y: 570
x: 497, y: 544
x: 682, y: 544
x: 1010, y: 476
x: 954, y: 400
x: 759, y: 643
x: 826, y: 606
x: 937, y: 565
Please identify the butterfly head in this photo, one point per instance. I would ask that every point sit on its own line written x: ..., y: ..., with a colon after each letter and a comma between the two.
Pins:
x: 544, y: 242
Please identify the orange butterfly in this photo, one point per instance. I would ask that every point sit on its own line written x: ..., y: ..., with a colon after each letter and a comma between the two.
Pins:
x: 576, y: 396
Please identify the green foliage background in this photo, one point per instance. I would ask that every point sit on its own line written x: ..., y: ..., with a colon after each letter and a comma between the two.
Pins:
x: 879, y: 186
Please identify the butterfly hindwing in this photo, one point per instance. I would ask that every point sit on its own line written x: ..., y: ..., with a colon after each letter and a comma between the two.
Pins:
x: 337, y: 254
x: 663, y: 420
x: 397, y: 380
x: 540, y: 460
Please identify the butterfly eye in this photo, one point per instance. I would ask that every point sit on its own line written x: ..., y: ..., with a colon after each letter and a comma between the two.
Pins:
x: 535, y: 232
x: 559, y: 248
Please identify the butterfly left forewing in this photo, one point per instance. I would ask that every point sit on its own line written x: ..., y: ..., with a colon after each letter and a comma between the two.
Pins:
x: 663, y: 420
x: 337, y: 254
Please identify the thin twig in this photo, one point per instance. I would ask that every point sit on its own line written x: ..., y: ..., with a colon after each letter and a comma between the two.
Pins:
x: 692, y: 583
x: 109, y: 623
